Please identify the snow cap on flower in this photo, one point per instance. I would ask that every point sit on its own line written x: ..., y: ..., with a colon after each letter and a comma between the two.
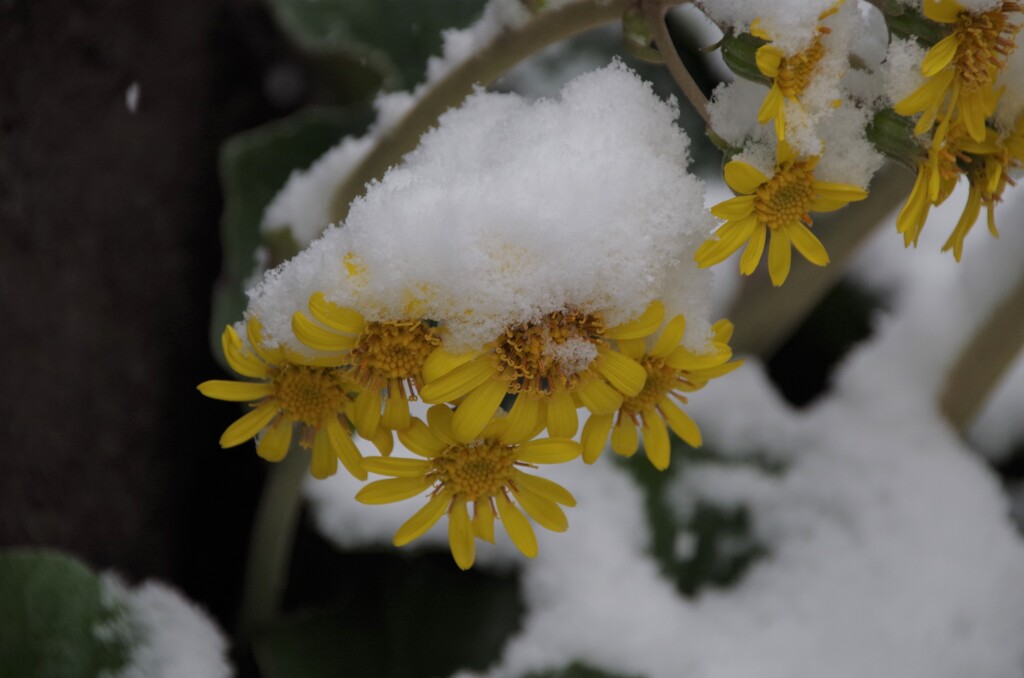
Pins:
x: 509, y: 210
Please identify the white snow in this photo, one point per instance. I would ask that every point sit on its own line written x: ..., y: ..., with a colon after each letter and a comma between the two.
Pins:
x: 132, y: 95
x: 169, y: 636
x: 509, y: 210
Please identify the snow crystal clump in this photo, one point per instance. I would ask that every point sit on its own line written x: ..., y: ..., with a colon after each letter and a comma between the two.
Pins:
x: 167, y: 635
x: 902, y: 69
x: 509, y: 210
x: 791, y: 23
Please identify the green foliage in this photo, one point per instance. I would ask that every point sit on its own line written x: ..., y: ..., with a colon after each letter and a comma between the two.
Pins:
x: 393, y: 38
x: 739, y: 50
x: 723, y: 544
x: 427, y: 619
x: 254, y: 165
x: 893, y: 134
x: 50, y: 606
x: 578, y: 670
x: 906, y: 22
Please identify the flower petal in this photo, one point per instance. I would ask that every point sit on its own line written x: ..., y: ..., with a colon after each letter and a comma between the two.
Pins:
x: 422, y: 440
x: 656, y: 442
x: 768, y: 59
x: 439, y: 417
x: 318, y: 338
x: 561, y: 415
x: 247, y: 426
x: 478, y: 408
x: 518, y: 527
x: 483, y: 520
x: 460, y: 535
x: 680, y: 422
x: 366, y: 416
x: 752, y: 254
x: 240, y: 360
x: 549, y: 451
x: 807, y: 243
x: 545, y: 488
x: 524, y: 419
x: 622, y: 372
x: 940, y: 55
x: 779, y: 257
x: 743, y: 177
x: 545, y: 512
x: 734, y: 208
x: 396, y: 411
x: 670, y: 337
x: 459, y: 381
x: 336, y: 317
x: 422, y: 520
x: 598, y: 397
x: 236, y: 391
x: 440, y: 362
x: 644, y: 325
x: 595, y: 436
x: 391, y: 490
x: 324, y: 462
x: 943, y: 11
x: 273, y: 445
x: 727, y: 239
x: 624, y: 437
x: 397, y: 467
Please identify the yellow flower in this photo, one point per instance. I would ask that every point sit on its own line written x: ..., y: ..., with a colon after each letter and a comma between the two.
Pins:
x: 551, y: 365
x: 937, y: 175
x: 484, y: 472
x: 987, y: 177
x: 672, y: 370
x: 790, y: 77
x: 384, y: 357
x: 779, y: 205
x: 961, y: 69
x: 287, y: 393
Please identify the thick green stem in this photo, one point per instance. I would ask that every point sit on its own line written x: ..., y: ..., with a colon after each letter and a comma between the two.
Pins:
x: 765, y: 316
x: 483, y: 68
x: 270, y: 545
x: 984, y: 360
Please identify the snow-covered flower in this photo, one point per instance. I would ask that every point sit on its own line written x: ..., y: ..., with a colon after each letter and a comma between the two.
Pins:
x: 287, y: 393
x: 781, y: 205
x: 961, y: 69
x: 385, y: 358
x: 672, y: 370
x: 484, y: 472
x: 548, y: 364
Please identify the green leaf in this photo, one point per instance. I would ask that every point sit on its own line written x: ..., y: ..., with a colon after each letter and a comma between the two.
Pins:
x: 254, y: 165
x: 50, y: 606
x: 391, y: 37
x: 893, y: 135
x: 427, y: 619
x: 740, y: 54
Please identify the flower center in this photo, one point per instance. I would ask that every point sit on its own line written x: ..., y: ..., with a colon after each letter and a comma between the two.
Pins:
x: 392, y: 350
x: 661, y: 379
x: 550, y: 353
x: 310, y: 395
x: 475, y: 471
x: 986, y: 40
x: 786, y: 197
x: 795, y: 72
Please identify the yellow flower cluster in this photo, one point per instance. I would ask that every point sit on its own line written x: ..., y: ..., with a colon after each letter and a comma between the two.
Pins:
x: 955, y: 102
x: 483, y: 433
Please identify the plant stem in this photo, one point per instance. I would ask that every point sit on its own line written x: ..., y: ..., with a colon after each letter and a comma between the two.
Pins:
x: 983, y: 361
x: 655, y: 11
x: 483, y: 68
x: 270, y: 545
x: 765, y: 316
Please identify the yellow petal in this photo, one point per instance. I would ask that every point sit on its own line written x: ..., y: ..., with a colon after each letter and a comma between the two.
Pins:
x: 834, y: 191
x: 366, y: 416
x: 318, y: 338
x: 622, y: 372
x: 742, y: 177
x: 545, y: 488
x: 670, y: 337
x: 460, y: 535
x: 345, y: 448
x: 396, y: 411
x: 477, y: 409
x: 729, y: 238
x: 549, y: 451
x: 440, y: 419
x: 383, y: 440
x: 680, y: 422
x: 734, y: 208
x: 806, y: 243
x: 440, y: 362
x: 273, y: 356
x: 524, y: 419
x: 422, y: 520
x: 483, y: 520
x: 391, y: 490
x: 324, y: 462
x: 236, y: 391
x: 684, y: 359
x: 241, y: 361
x: 398, y: 467
x: 779, y: 257
x: 246, y: 427
x: 273, y: 445
x: 545, y: 512
x: 598, y: 397
x: 595, y: 436
x: 768, y: 59
x: 656, y: 442
x: 645, y: 324
x: 943, y: 11
x: 752, y: 254
x: 459, y: 381
x: 518, y: 527
x: 634, y: 348
x: 771, y: 109
x: 421, y: 440
x: 927, y: 95
x: 723, y: 329
x: 940, y: 55
x: 336, y: 317
x: 624, y: 437
x: 561, y: 415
